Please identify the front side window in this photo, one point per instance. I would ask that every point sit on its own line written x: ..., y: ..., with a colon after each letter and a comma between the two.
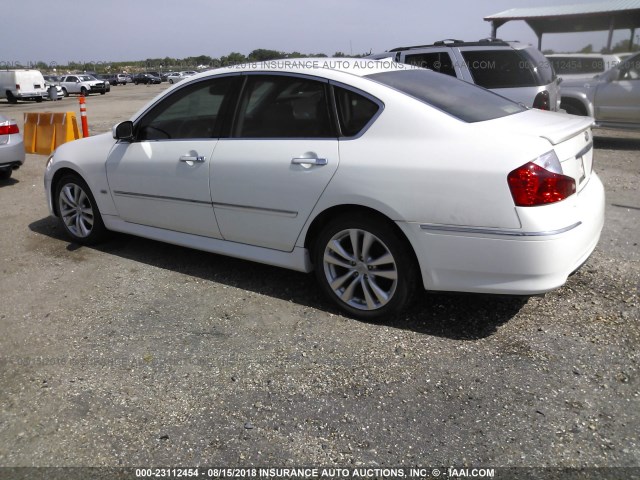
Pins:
x: 279, y: 106
x: 191, y: 112
x: 630, y: 69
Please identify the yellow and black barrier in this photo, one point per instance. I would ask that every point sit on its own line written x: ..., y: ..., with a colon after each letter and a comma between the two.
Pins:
x: 44, y: 132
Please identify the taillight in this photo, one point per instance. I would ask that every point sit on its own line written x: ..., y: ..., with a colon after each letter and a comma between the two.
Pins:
x: 542, y: 101
x: 540, y: 182
x: 17, y: 86
x: 9, y: 129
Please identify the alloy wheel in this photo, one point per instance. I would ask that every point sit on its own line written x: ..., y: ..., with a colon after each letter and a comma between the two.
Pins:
x: 360, y: 269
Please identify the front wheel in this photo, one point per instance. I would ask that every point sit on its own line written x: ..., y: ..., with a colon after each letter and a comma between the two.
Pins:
x: 5, y: 173
x: 365, y: 267
x: 78, y: 211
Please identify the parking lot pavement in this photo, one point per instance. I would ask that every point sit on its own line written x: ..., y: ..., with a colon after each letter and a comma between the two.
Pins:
x: 138, y: 353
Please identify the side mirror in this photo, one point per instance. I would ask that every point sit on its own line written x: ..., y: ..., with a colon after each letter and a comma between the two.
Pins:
x: 123, y: 131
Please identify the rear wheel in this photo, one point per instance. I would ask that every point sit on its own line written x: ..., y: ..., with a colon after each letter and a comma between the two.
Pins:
x: 64, y: 92
x: 365, y: 267
x: 11, y: 98
x: 5, y: 173
x: 78, y: 211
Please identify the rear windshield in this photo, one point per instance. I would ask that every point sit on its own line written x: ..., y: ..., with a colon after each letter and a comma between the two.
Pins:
x: 508, y: 68
x: 455, y: 97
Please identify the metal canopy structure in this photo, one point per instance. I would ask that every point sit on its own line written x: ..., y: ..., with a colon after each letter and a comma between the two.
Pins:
x: 585, y: 17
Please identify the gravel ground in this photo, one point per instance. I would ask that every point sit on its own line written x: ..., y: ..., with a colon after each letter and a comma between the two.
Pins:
x: 137, y: 353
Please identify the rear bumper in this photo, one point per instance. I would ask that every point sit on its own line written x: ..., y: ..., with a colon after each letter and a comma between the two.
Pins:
x: 469, y: 259
x: 12, y: 153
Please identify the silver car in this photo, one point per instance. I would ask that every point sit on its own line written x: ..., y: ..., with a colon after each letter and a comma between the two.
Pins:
x: 514, y: 70
x: 11, y: 147
x: 612, y: 98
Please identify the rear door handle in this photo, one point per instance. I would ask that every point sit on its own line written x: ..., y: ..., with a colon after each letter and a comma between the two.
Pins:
x: 309, y: 161
x: 192, y: 158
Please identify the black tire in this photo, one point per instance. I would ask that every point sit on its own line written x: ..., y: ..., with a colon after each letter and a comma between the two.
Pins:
x: 363, y: 285
x: 64, y: 92
x: 78, y: 211
x: 39, y: 100
x: 11, y: 98
x: 5, y: 173
x: 84, y: 92
x: 102, y: 93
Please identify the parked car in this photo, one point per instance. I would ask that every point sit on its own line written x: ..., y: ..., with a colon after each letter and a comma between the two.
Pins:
x: 53, y: 81
x: 176, y: 77
x: 581, y: 65
x: 105, y: 78
x: 382, y: 178
x: 82, y: 84
x: 11, y: 147
x: 612, y: 98
x: 515, y: 70
x: 22, y: 85
x: 119, y: 79
x: 145, y: 78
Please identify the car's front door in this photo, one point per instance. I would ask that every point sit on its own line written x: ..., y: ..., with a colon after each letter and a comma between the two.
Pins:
x: 161, y: 178
x: 282, y: 152
x: 619, y: 100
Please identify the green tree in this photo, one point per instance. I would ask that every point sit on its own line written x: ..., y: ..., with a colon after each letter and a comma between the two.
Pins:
x: 261, y: 55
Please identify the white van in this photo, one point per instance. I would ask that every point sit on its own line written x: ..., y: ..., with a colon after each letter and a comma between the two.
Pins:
x: 22, y: 85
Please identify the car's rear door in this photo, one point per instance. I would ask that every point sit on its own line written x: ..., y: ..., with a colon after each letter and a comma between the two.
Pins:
x: 282, y: 152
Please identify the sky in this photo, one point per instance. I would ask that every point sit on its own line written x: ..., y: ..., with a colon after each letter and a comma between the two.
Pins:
x: 106, y: 31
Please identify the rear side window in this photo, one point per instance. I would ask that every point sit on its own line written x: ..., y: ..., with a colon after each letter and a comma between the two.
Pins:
x: 279, y: 106
x: 505, y: 68
x: 455, y: 97
x: 437, y: 61
x: 355, y: 111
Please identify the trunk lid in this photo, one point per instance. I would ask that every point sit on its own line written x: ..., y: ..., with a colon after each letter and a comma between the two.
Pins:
x: 570, y: 136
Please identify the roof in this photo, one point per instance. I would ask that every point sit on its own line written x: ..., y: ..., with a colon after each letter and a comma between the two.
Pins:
x: 583, y: 17
x: 610, y: 6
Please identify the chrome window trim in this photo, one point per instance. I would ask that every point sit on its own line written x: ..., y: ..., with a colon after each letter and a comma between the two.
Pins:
x: 496, y: 232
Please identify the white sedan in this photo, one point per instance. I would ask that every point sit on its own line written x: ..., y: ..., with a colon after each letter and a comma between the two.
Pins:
x: 380, y: 177
x: 11, y: 147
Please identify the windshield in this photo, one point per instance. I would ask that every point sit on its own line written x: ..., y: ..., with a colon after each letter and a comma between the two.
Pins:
x: 455, y: 97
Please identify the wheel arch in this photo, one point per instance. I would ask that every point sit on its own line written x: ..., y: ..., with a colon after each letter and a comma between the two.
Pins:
x: 54, y: 184
x: 331, y: 213
x: 578, y: 101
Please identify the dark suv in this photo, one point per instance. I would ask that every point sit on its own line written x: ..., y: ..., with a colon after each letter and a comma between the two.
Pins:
x: 514, y: 70
x: 145, y: 78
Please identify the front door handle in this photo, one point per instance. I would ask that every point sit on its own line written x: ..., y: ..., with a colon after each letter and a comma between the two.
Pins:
x: 309, y: 161
x: 192, y: 158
